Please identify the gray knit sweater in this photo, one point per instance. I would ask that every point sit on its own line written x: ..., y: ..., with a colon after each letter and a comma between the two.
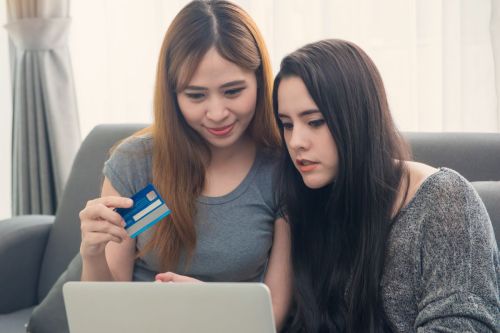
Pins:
x: 442, y: 270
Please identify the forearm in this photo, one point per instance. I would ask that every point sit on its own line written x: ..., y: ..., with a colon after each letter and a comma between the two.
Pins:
x: 96, y: 269
x: 280, y: 311
x: 279, y: 273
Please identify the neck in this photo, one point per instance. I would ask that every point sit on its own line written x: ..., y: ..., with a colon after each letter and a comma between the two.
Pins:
x: 228, y: 167
x: 245, y: 146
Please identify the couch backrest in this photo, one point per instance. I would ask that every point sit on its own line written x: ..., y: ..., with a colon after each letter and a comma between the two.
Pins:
x: 476, y: 156
x: 84, y: 183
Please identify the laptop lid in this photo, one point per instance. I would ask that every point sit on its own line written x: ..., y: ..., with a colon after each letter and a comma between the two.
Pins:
x: 133, y: 307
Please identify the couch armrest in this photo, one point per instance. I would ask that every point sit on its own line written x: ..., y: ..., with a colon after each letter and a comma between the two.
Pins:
x: 22, y: 244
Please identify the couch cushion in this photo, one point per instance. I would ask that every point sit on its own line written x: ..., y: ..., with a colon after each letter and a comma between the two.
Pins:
x: 15, y: 322
x: 50, y: 315
x: 22, y: 243
x: 490, y: 194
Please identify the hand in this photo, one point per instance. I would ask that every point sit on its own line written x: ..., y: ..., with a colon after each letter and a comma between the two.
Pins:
x: 99, y: 224
x: 172, y: 277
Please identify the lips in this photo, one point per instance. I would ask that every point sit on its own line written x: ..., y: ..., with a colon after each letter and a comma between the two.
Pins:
x: 306, y: 165
x: 220, y: 131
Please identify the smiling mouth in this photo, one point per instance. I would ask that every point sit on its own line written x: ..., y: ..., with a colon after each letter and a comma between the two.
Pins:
x: 221, y: 131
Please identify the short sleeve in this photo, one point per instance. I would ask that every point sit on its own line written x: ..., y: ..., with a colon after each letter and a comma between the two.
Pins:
x: 129, y: 166
x: 459, y: 264
x: 267, y: 181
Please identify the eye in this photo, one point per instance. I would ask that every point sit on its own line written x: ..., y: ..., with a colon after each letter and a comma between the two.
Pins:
x: 287, y: 126
x: 195, y: 96
x: 316, y: 123
x: 233, y: 92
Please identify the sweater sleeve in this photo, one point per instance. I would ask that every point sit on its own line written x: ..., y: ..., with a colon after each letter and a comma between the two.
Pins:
x: 459, y: 264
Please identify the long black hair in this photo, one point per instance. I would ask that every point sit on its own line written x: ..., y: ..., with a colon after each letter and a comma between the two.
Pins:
x: 339, y: 232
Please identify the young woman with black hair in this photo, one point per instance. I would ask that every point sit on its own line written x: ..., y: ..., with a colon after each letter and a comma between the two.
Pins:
x: 379, y: 243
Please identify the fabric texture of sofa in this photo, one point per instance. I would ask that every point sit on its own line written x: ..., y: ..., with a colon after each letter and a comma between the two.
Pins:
x: 38, y: 254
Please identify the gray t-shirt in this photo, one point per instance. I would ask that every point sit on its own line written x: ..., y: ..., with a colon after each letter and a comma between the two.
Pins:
x: 234, y: 232
x: 442, y: 269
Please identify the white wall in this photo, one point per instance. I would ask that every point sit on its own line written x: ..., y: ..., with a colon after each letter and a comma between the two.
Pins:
x: 434, y: 56
x: 114, y: 58
x: 6, y: 118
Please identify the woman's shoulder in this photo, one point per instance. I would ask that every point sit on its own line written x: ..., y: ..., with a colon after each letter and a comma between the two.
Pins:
x: 445, y: 231
x: 438, y: 185
x: 266, y: 161
x: 136, y: 144
x: 129, y: 165
x: 446, y: 202
x: 266, y: 174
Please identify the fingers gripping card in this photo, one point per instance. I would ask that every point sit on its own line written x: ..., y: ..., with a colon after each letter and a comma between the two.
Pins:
x: 148, y: 209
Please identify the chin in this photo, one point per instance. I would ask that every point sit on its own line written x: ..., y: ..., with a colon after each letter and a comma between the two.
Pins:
x: 314, y: 182
x: 223, y: 142
x: 317, y: 180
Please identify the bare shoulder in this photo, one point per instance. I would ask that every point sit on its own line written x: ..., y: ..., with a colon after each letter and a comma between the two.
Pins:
x: 418, y: 172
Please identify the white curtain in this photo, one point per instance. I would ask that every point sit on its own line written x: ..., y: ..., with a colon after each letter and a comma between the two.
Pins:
x: 440, y: 59
x: 436, y: 56
x: 495, y: 40
x: 6, y: 123
x: 45, y: 125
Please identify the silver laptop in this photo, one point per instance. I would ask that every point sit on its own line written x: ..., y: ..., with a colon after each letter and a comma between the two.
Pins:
x: 133, y: 307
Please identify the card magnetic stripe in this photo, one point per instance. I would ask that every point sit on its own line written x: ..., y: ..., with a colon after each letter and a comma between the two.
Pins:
x: 148, y: 221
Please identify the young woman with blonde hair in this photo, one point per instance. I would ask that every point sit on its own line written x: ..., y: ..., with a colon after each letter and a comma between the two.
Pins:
x: 210, y: 152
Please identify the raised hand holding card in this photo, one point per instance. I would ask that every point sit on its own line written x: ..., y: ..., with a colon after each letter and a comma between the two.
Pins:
x: 148, y: 209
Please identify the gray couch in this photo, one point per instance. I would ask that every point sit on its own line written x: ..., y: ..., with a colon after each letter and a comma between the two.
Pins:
x: 36, y: 250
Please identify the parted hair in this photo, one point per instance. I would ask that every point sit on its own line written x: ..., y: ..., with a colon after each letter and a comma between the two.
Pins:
x: 180, y: 155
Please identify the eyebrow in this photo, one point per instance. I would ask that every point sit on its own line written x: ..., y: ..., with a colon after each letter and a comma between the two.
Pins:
x: 302, y: 114
x: 225, y: 85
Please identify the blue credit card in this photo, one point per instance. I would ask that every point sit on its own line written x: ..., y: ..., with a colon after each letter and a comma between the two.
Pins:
x: 148, y: 209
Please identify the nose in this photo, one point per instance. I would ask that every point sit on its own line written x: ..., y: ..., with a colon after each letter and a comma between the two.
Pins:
x: 297, y: 139
x: 217, y: 111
